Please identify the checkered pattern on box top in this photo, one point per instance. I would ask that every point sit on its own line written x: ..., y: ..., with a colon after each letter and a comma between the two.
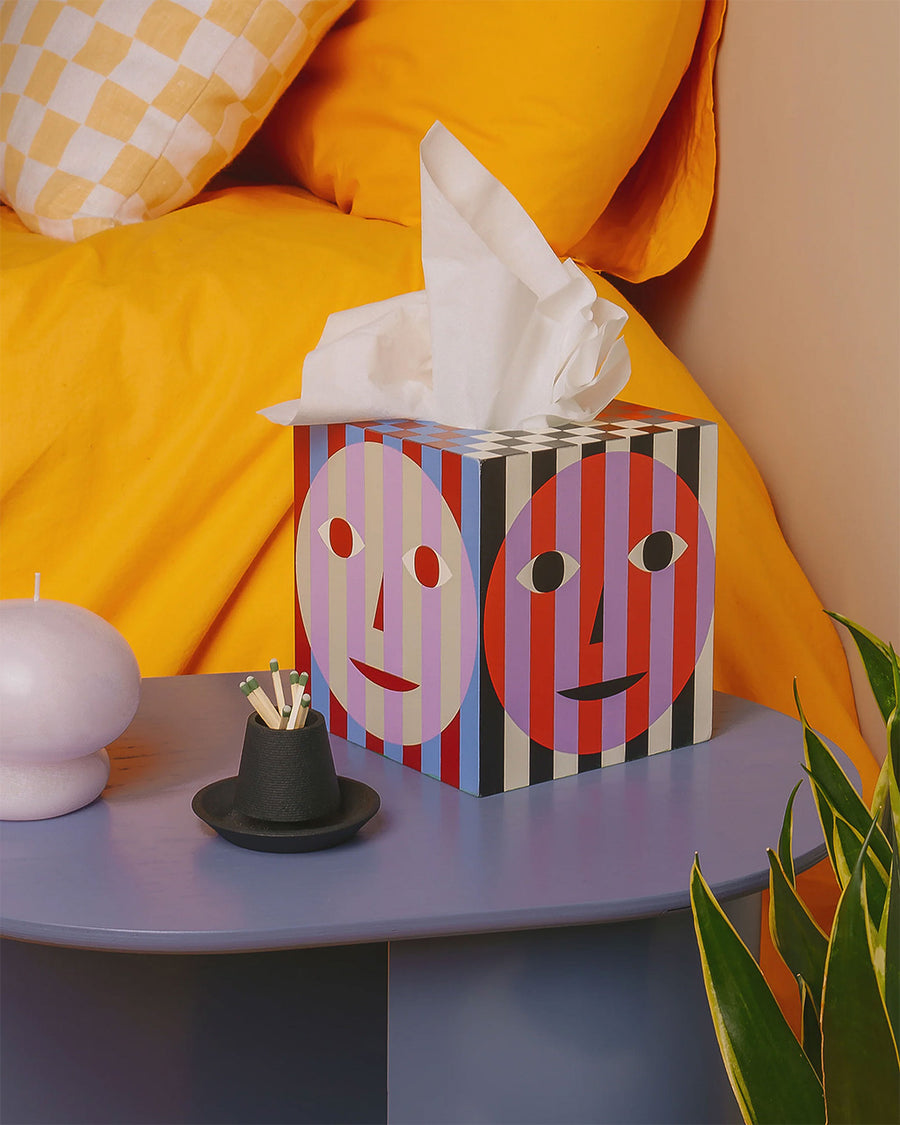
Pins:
x: 115, y: 111
x: 618, y: 420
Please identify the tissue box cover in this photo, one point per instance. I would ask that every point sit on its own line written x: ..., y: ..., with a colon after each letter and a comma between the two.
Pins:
x: 497, y: 609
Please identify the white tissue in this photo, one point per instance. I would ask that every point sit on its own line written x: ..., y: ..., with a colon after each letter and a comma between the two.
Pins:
x: 504, y: 335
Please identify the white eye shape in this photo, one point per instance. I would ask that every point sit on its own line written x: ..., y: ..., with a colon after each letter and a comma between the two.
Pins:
x: 427, y: 566
x: 657, y: 551
x: 547, y: 571
x: 341, y: 537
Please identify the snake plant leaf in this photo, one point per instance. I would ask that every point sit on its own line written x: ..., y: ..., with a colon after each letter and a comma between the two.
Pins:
x: 826, y: 819
x: 834, y: 784
x: 848, y: 845
x: 786, y: 837
x: 878, y: 942
x: 893, y: 753
x: 876, y: 660
x: 772, y: 1079
x: 796, y: 936
x: 892, y: 952
x: 811, y: 1031
x: 892, y: 922
x: 882, y: 787
x: 860, y: 1067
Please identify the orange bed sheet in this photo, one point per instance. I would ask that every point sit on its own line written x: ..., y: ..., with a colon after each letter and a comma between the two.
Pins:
x: 139, y: 480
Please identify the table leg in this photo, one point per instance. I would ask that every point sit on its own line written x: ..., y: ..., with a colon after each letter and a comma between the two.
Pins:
x: 578, y: 1024
x: 286, y: 1038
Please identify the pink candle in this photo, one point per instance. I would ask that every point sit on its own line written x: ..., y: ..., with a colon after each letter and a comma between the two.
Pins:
x: 69, y: 684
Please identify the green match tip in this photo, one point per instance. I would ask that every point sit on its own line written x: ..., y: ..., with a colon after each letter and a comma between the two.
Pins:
x: 253, y: 683
x: 273, y: 664
x: 285, y: 712
x: 304, y: 701
x: 294, y: 677
x: 304, y: 678
x: 245, y: 687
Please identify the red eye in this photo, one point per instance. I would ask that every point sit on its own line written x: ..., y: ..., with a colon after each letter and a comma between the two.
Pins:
x: 341, y: 537
x: 427, y: 566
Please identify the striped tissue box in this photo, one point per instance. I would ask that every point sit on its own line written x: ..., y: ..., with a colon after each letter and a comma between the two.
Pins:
x: 497, y: 609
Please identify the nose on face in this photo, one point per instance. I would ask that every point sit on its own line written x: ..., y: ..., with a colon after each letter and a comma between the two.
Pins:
x: 378, y: 619
x: 596, y: 637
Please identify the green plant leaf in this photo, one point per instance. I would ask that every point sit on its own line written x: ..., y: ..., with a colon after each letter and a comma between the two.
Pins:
x: 892, y: 952
x: 860, y: 1067
x: 772, y: 1079
x: 834, y: 784
x: 878, y: 943
x: 849, y: 846
x: 797, y: 938
x: 786, y: 837
x: 876, y: 661
x: 892, y: 911
x: 882, y: 788
x: 811, y: 1036
x: 892, y: 758
x: 826, y: 819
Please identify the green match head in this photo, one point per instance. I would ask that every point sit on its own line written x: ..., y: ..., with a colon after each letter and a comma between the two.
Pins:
x: 253, y: 682
x: 245, y: 687
x: 305, y: 701
x: 304, y: 679
x: 285, y: 712
x: 294, y: 677
x: 273, y: 664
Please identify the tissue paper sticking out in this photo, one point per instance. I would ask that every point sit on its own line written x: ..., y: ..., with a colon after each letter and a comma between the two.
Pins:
x: 504, y: 335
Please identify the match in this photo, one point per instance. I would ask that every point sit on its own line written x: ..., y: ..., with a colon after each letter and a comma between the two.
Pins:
x: 265, y: 708
x: 298, y: 683
x: 254, y: 702
x: 277, y: 685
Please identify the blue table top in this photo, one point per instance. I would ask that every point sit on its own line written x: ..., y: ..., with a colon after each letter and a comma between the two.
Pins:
x: 137, y: 870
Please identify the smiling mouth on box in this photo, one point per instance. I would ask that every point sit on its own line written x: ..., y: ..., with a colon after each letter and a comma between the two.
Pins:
x: 602, y: 690
x: 383, y: 679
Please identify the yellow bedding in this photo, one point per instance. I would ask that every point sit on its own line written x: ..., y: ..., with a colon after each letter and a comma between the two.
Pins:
x: 138, y: 479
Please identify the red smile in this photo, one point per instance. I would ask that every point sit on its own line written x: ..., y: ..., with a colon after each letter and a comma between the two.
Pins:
x: 383, y: 679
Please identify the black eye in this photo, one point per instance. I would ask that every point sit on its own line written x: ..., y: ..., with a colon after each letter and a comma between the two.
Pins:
x: 547, y: 571
x: 657, y: 550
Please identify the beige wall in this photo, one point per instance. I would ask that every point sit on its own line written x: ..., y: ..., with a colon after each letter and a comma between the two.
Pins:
x: 788, y: 313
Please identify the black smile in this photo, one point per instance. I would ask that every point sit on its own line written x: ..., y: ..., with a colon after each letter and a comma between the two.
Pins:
x: 603, y: 689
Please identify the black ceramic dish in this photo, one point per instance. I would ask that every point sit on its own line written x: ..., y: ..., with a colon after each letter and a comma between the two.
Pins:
x: 214, y: 804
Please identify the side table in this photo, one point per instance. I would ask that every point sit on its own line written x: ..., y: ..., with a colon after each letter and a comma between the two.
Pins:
x: 526, y: 957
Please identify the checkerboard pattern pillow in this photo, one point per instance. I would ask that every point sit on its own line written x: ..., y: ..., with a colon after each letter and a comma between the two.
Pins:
x: 116, y: 111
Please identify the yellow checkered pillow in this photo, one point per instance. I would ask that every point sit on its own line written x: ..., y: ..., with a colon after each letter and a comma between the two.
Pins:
x: 115, y: 111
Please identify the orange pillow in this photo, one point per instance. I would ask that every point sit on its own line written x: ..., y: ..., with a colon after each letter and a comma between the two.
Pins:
x: 660, y: 209
x: 557, y: 98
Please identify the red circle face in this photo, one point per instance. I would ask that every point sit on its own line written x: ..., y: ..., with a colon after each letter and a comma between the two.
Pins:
x: 591, y: 628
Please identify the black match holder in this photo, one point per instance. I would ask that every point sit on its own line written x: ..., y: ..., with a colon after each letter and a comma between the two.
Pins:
x: 287, y: 796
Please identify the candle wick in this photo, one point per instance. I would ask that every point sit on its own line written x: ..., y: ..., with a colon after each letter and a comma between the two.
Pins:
x: 37, y: 585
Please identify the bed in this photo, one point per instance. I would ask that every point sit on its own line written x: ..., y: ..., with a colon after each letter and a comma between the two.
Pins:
x: 146, y: 321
